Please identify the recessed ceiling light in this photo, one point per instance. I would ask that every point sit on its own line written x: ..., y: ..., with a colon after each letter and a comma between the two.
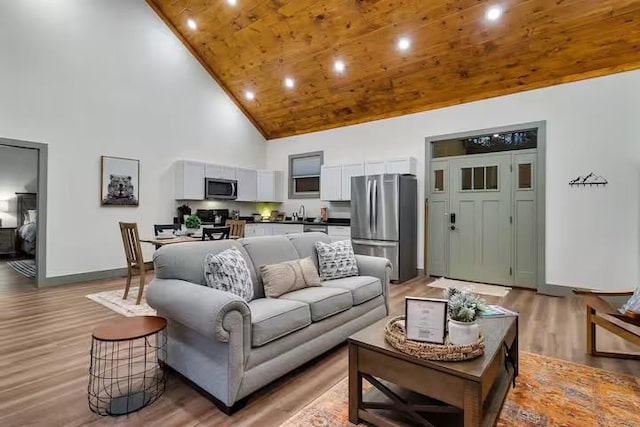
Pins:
x: 232, y: 2
x: 249, y: 95
x: 191, y: 24
x: 289, y: 82
x: 339, y: 66
x: 494, y: 13
x: 404, y: 43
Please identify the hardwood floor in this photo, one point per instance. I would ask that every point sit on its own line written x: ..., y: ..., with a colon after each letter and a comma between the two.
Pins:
x: 44, y: 357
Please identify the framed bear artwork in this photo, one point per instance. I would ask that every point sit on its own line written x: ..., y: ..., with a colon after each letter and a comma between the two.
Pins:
x: 119, y: 181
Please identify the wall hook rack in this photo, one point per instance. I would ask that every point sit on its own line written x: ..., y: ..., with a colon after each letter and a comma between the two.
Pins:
x: 590, y: 180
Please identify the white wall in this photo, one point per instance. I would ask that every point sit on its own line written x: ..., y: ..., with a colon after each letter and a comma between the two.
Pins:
x: 592, y: 236
x: 95, y: 77
x: 18, y: 174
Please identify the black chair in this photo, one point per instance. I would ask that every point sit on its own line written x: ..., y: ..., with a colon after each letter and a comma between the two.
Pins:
x: 216, y: 233
x: 159, y: 228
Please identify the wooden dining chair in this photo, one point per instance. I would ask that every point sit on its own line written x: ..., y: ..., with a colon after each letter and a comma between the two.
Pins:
x: 215, y: 233
x: 135, y: 260
x: 237, y: 228
x: 601, y: 313
x: 159, y: 228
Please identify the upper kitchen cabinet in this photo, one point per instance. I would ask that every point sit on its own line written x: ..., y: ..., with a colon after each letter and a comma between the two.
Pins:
x: 349, y: 171
x: 270, y: 186
x: 189, y: 180
x: 220, y: 172
x: 375, y: 167
x: 401, y: 165
x: 331, y: 183
x: 335, y: 183
x: 247, y: 185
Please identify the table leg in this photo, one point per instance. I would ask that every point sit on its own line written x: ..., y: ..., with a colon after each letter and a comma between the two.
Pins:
x: 355, y: 385
x: 472, y: 405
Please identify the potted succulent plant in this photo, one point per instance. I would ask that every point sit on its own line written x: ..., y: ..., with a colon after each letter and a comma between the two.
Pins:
x: 464, y: 309
x: 192, y: 223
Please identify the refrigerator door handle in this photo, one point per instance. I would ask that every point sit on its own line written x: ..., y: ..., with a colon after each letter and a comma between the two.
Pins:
x: 375, y: 206
x: 369, y: 204
x: 374, y: 243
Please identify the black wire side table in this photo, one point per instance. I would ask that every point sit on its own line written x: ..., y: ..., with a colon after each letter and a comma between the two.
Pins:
x: 125, y: 373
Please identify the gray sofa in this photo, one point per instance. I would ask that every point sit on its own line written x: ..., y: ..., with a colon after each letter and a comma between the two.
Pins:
x: 229, y: 348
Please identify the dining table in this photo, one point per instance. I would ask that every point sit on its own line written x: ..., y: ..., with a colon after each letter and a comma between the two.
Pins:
x: 160, y: 242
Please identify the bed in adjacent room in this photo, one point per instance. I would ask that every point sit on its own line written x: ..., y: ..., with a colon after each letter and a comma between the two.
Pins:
x: 27, y: 223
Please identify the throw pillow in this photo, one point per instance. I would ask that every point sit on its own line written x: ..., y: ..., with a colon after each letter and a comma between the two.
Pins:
x: 279, y: 279
x: 633, y: 304
x: 228, y: 271
x: 336, y: 260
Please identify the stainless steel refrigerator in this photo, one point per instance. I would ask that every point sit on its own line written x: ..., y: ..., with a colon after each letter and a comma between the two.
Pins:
x: 384, y: 220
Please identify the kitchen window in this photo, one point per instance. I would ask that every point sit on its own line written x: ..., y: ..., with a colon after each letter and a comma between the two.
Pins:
x: 304, y: 175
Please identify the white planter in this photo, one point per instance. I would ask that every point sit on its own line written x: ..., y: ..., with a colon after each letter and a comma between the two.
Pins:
x: 191, y: 231
x: 463, y: 333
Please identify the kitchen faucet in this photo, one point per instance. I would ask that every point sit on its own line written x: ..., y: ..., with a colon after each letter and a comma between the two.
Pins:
x: 301, y: 209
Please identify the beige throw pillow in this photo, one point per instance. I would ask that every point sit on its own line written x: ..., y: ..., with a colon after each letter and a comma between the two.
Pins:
x: 279, y: 279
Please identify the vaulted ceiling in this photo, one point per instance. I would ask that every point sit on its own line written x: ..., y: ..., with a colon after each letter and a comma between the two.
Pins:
x: 456, y: 53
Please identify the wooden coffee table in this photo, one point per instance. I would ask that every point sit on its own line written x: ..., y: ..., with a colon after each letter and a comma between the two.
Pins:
x: 474, y: 389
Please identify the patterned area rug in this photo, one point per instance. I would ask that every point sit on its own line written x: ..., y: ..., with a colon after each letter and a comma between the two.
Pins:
x: 113, y: 301
x: 26, y: 267
x: 478, y: 288
x: 549, y: 392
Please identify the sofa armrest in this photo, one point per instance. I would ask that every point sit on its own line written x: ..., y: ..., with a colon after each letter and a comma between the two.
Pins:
x: 198, y: 307
x: 377, y: 267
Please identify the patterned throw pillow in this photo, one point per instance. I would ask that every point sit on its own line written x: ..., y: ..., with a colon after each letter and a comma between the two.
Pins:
x: 336, y: 260
x: 228, y: 272
x: 633, y: 304
x: 279, y: 279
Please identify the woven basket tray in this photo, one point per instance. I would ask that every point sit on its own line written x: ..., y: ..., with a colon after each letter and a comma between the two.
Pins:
x: 395, y: 335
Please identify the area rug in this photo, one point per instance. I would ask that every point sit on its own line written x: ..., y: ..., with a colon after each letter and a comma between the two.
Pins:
x: 26, y: 267
x: 478, y: 288
x: 113, y: 301
x: 549, y: 392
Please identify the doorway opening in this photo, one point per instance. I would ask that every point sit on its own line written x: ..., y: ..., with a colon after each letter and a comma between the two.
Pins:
x: 484, y: 205
x: 22, y: 213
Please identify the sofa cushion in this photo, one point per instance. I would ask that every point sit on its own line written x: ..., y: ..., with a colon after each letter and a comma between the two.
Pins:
x: 274, y: 318
x: 336, y: 260
x: 265, y: 250
x: 288, y: 276
x: 362, y: 288
x: 305, y: 244
x: 323, y: 301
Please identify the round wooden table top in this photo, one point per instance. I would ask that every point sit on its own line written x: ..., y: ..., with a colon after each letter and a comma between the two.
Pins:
x: 129, y: 328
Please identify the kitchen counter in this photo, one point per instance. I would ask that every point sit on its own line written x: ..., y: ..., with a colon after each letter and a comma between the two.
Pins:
x: 330, y: 221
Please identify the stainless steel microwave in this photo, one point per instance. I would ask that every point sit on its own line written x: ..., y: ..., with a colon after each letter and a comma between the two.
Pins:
x: 216, y: 189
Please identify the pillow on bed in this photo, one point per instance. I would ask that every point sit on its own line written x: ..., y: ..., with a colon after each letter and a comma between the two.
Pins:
x: 32, y: 214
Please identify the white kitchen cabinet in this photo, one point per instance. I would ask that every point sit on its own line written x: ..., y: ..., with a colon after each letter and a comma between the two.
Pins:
x: 402, y: 165
x: 264, y: 229
x: 270, y: 186
x: 189, y: 180
x: 247, y: 185
x: 250, y: 230
x: 375, y: 167
x: 349, y: 171
x: 331, y: 183
x: 220, y: 171
x: 339, y: 231
x: 282, y: 229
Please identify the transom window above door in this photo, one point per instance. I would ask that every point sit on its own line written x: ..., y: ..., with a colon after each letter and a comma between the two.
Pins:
x: 484, y: 144
x: 479, y: 178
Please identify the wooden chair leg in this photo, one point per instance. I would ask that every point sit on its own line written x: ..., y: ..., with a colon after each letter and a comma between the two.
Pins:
x: 141, y: 288
x: 126, y: 289
x: 591, y: 332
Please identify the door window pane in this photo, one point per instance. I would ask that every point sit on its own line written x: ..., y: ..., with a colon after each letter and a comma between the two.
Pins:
x: 478, y: 178
x: 438, y: 180
x: 524, y: 176
x: 466, y: 178
x: 492, y: 177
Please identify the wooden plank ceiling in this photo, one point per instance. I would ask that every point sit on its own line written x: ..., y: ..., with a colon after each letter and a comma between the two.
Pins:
x: 456, y: 54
